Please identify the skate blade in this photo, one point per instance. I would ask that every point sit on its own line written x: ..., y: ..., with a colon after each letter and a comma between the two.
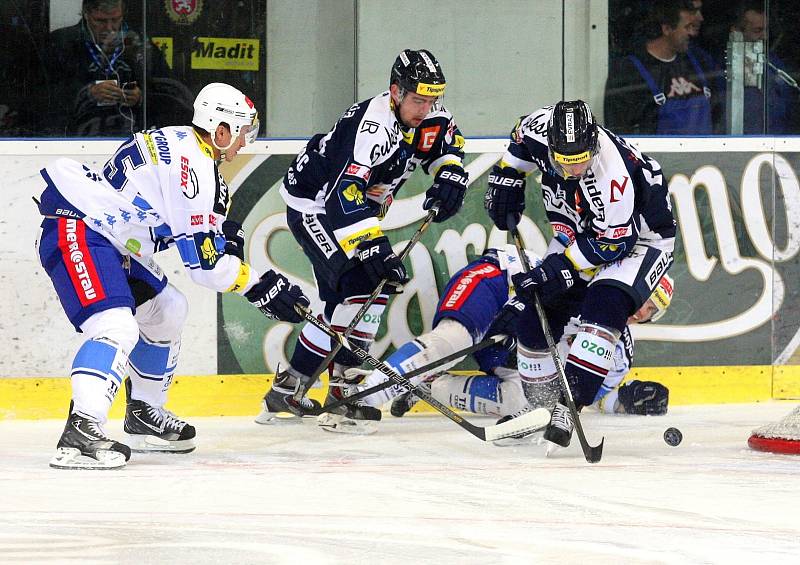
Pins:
x: 552, y: 449
x: 71, y: 458
x: 141, y: 443
x: 277, y: 418
x: 338, y: 424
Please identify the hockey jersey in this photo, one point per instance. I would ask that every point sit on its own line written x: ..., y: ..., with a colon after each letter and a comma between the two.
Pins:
x: 160, y: 189
x: 352, y: 173
x: 621, y: 200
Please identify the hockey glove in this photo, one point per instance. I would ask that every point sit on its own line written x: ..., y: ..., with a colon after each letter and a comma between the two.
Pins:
x: 645, y: 398
x: 276, y: 297
x: 448, y: 189
x: 505, y: 323
x: 505, y: 195
x: 554, y: 276
x: 378, y: 261
x: 234, y: 238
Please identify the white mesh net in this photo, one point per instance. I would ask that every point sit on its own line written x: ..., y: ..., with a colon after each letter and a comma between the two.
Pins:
x: 782, y: 436
x: 787, y: 428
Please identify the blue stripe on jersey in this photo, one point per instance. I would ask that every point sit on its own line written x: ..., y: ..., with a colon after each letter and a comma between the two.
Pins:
x: 141, y: 203
x: 187, y: 251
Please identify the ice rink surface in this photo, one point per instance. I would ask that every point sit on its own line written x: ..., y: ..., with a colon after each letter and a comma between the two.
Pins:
x: 421, y: 490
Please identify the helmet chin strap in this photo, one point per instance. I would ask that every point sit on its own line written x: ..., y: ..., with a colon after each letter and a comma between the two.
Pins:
x: 222, y: 149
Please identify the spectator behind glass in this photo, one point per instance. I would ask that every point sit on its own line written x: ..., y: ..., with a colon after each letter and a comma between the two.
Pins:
x: 781, y: 94
x: 712, y: 70
x: 662, y: 87
x: 96, y: 71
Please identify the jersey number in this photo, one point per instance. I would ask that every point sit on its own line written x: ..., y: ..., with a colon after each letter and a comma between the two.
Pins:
x: 126, y: 159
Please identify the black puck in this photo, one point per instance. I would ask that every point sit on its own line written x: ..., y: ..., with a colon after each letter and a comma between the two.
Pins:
x: 673, y: 436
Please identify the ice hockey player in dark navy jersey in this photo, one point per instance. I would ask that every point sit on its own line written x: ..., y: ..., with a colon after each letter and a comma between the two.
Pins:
x: 614, y: 234
x: 338, y: 189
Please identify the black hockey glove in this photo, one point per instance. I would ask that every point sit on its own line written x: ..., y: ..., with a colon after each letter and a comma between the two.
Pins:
x: 276, y: 297
x: 234, y: 238
x: 505, y: 195
x: 505, y: 323
x: 645, y: 398
x: 448, y: 189
x: 554, y: 276
x: 378, y: 261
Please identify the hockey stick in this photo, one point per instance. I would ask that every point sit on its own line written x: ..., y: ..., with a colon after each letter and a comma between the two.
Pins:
x: 591, y: 453
x: 304, y: 387
x: 530, y: 422
x: 424, y: 369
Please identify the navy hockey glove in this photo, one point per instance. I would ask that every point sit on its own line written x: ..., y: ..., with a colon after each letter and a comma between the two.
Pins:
x: 276, y: 297
x: 505, y: 323
x: 645, y: 398
x: 554, y: 276
x: 448, y: 189
x: 379, y: 262
x: 234, y: 238
x: 505, y: 195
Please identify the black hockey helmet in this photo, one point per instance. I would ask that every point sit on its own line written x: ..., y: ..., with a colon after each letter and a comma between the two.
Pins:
x: 418, y: 72
x: 571, y: 134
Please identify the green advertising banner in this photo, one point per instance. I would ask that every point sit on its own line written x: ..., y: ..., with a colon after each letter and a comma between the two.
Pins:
x: 735, y: 261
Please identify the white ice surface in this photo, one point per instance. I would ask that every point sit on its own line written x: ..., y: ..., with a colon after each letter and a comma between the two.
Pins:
x: 421, y: 490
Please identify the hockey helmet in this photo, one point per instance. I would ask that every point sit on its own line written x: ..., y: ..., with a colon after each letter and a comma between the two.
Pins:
x: 221, y: 103
x: 571, y: 135
x: 418, y: 72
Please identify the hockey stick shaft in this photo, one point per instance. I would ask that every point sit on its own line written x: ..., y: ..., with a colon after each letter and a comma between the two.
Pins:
x: 424, y: 369
x: 335, y: 347
x: 531, y: 421
x: 591, y: 453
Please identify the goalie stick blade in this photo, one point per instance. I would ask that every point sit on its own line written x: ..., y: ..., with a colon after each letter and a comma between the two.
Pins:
x: 528, y: 423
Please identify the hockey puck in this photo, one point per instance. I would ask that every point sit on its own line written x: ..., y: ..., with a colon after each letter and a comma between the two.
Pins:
x: 673, y: 436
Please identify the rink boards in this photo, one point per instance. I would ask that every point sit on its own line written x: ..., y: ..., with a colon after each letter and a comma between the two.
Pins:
x: 730, y: 336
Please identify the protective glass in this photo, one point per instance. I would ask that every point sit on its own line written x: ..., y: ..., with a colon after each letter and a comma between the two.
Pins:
x: 249, y: 133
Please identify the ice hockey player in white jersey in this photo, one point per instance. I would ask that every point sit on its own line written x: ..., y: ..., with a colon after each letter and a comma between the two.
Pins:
x: 499, y: 391
x: 160, y: 189
x: 478, y: 302
x: 337, y: 190
x: 609, y: 207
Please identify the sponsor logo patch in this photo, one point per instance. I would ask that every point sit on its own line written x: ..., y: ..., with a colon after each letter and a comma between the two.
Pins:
x: 616, y: 186
x: 360, y: 171
x: 564, y: 230
x: 427, y: 137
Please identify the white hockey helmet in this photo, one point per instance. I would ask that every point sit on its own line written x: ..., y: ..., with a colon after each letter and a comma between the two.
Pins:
x: 662, y: 296
x: 221, y: 103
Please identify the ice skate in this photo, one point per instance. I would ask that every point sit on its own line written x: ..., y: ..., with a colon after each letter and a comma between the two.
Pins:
x: 84, y: 445
x: 154, y: 429
x: 559, y: 431
x: 354, y: 417
x: 279, y: 405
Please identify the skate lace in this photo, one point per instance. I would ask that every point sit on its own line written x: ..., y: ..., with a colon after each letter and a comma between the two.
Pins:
x: 521, y: 412
x: 96, y: 430
x: 306, y: 403
x: 347, y: 389
x: 165, y: 419
x: 562, y: 418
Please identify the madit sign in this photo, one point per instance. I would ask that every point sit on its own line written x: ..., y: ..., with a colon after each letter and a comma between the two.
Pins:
x: 226, y: 53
